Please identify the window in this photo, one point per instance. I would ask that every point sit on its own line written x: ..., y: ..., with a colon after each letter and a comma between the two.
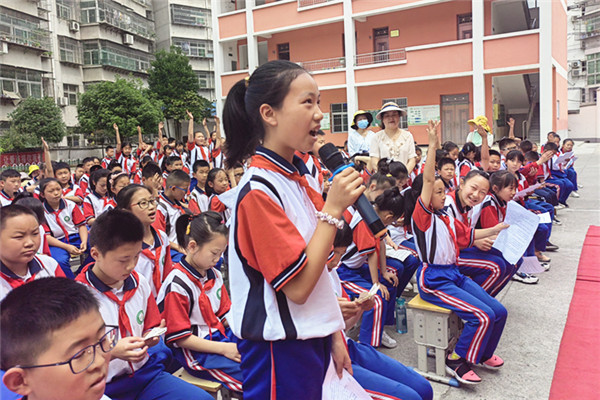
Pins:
x: 593, y: 69
x: 70, y: 50
x: 339, y: 117
x: 195, y: 48
x: 283, y: 51
x: 464, y: 26
x: 110, y: 54
x: 402, y: 103
x: 64, y: 9
x: 205, y: 79
x: 71, y: 92
x: 182, y: 15
x: 89, y: 13
x: 25, y: 82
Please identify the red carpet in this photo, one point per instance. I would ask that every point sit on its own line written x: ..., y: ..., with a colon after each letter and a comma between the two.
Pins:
x: 577, y: 373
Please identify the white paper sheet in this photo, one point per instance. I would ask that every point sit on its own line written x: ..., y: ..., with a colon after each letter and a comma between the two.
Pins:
x: 545, y: 218
x: 527, y: 191
x: 346, y: 388
x: 563, y: 158
x: 571, y: 162
x: 513, y: 241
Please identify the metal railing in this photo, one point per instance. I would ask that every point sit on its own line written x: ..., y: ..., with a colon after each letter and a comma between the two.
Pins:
x: 115, y: 14
x: 380, y: 57
x: 21, y: 31
x: 323, y: 65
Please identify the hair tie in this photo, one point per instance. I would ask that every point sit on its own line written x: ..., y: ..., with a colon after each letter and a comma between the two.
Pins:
x: 114, y: 177
x: 189, y: 228
x: 389, y: 175
x: 247, y: 80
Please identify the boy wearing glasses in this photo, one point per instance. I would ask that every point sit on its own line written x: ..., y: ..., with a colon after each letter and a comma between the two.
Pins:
x: 57, y: 348
x: 170, y: 209
x: 127, y: 303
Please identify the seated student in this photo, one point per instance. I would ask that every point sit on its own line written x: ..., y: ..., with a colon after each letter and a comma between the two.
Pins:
x: 365, y: 264
x: 124, y: 156
x: 217, y: 183
x: 126, y: 303
x: 66, y: 225
x: 193, y: 300
x: 70, y: 191
x: 452, y: 150
x: 100, y: 198
x: 11, y: 182
x: 170, y: 164
x: 571, y: 174
x: 552, y: 174
x: 446, y: 169
x: 196, y: 145
x: 117, y: 182
x: 235, y: 174
x: 138, y: 175
x: 396, y: 169
x: 170, y: 209
x: 155, y: 259
x: 109, y: 156
x: 442, y: 284
x: 216, y: 143
x: 381, y: 376
x: 506, y: 145
x: 467, y: 159
x: 418, y: 165
x: 35, y: 205
x: 525, y: 146
x: 152, y: 177
x: 21, y: 238
x: 84, y: 180
x: 198, y: 200
x: 58, y: 348
x: 495, y: 162
x: 114, y: 167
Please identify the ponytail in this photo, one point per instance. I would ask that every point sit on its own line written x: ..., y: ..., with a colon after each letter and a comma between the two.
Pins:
x: 391, y: 200
x: 242, y: 122
x: 201, y: 228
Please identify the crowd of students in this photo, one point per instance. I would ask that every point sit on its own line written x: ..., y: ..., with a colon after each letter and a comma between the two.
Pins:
x: 155, y: 230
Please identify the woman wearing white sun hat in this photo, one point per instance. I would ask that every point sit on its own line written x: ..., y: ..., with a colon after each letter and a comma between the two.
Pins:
x: 392, y: 142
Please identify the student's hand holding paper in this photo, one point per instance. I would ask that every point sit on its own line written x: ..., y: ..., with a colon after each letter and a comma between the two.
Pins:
x: 349, y: 308
x: 485, y: 244
x: 365, y: 301
x: 152, y: 337
x: 499, y: 228
x: 132, y: 349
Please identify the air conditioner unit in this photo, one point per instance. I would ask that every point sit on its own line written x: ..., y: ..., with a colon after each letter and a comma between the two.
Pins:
x: 576, y: 64
x: 62, y: 101
x: 128, y: 39
x: 576, y: 72
x: 3, y: 47
x: 74, y: 26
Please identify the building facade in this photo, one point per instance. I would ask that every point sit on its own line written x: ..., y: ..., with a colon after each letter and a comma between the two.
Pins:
x: 447, y: 59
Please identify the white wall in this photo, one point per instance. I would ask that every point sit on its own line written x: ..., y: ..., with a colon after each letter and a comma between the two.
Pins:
x: 585, y: 124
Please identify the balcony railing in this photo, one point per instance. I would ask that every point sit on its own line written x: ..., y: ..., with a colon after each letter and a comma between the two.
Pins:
x: 112, y: 55
x: 380, y: 57
x: 23, y: 32
x: 323, y: 65
x: 114, y: 14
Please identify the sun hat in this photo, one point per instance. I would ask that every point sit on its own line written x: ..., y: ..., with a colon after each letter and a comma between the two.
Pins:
x: 361, y: 112
x: 390, y: 106
x: 480, y: 120
x: 32, y: 169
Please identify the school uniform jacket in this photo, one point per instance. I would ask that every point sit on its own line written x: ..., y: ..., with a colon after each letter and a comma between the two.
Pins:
x: 167, y: 213
x: 438, y: 236
x: 363, y: 243
x: 315, y: 176
x: 215, y: 204
x: 95, y: 205
x: 193, y: 304
x: 273, y: 220
x: 73, y: 190
x: 106, y: 162
x: 216, y: 155
x: 64, y: 221
x: 5, y: 199
x: 154, y: 262
x: 198, y: 153
x: 137, y: 314
x: 465, y: 166
x: 198, y: 201
x: 129, y: 164
x: 40, y: 266
x: 454, y: 207
x: 489, y: 213
x: 84, y: 183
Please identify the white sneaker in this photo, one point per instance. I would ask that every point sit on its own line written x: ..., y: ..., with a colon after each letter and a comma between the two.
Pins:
x: 545, y: 265
x: 387, y: 341
x: 525, y: 278
x: 575, y: 195
x: 559, y: 207
x: 580, y: 186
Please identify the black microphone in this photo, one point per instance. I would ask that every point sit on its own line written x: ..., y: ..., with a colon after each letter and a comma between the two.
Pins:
x: 334, y: 160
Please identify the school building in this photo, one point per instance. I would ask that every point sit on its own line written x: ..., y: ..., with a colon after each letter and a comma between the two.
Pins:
x: 441, y: 59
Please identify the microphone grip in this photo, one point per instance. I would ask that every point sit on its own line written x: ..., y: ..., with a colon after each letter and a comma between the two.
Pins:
x: 367, y: 212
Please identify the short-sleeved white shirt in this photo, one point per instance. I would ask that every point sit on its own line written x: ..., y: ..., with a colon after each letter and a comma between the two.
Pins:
x: 401, y: 149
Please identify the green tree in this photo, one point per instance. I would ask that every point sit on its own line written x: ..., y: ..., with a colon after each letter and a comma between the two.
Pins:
x: 172, y: 81
x: 123, y: 102
x: 31, y: 120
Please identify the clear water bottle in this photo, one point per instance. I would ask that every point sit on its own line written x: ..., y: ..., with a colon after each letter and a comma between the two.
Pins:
x: 401, y: 325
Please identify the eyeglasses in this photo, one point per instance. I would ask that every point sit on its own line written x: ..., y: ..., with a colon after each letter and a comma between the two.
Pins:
x: 182, y: 189
x: 86, y: 356
x: 146, y: 203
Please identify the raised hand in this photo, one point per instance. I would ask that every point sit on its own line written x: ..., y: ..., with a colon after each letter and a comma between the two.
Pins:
x: 116, y: 127
x: 189, y: 114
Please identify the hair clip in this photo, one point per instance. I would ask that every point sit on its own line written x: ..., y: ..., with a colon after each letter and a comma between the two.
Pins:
x: 389, y: 175
x: 189, y: 228
x: 247, y: 79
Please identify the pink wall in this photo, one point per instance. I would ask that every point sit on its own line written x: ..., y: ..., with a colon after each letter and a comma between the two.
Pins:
x: 330, y: 78
x: 436, y: 23
x: 559, y: 34
x: 316, y: 43
x: 560, y: 91
x: 287, y: 14
x: 227, y: 81
x: 232, y: 25
x: 329, y: 97
x: 368, y: 5
x: 441, y: 60
x: 511, y: 51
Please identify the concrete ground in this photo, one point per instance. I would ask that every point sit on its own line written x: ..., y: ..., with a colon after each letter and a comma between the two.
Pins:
x: 536, y: 313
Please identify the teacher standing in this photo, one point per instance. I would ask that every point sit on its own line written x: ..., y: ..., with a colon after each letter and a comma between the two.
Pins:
x: 392, y: 142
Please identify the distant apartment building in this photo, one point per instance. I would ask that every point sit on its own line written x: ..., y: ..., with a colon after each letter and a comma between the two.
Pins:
x: 584, y: 68
x: 441, y: 59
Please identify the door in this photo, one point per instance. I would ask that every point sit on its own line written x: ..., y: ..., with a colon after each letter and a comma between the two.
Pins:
x: 455, y: 114
x: 381, y: 44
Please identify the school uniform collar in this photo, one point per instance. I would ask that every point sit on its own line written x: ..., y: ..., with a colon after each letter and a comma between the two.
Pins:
x: 173, y: 203
x: 129, y: 284
x: 197, y: 188
x: 499, y: 202
x: 33, y: 266
x: 210, y: 274
x: 5, y: 195
x: 281, y: 163
x: 97, y: 195
x: 461, y: 208
x: 157, y: 242
x: 62, y: 204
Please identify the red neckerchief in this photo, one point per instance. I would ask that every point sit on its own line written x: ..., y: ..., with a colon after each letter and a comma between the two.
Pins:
x: 155, y: 257
x: 446, y: 220
x: 315, y: 197
x: 56, y: 214
x: 15, y: 281
x: 204, y: 304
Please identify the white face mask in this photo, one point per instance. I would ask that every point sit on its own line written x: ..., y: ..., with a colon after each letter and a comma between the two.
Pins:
x: 362, y: 124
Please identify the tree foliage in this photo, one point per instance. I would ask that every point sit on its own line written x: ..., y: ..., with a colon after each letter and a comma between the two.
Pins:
x: 123, y: 102
x: 31, y: 120
x: 172, y: 81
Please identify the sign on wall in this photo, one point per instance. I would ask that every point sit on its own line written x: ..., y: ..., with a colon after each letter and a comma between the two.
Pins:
x: 326, y: 121
x: 419, y: 115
